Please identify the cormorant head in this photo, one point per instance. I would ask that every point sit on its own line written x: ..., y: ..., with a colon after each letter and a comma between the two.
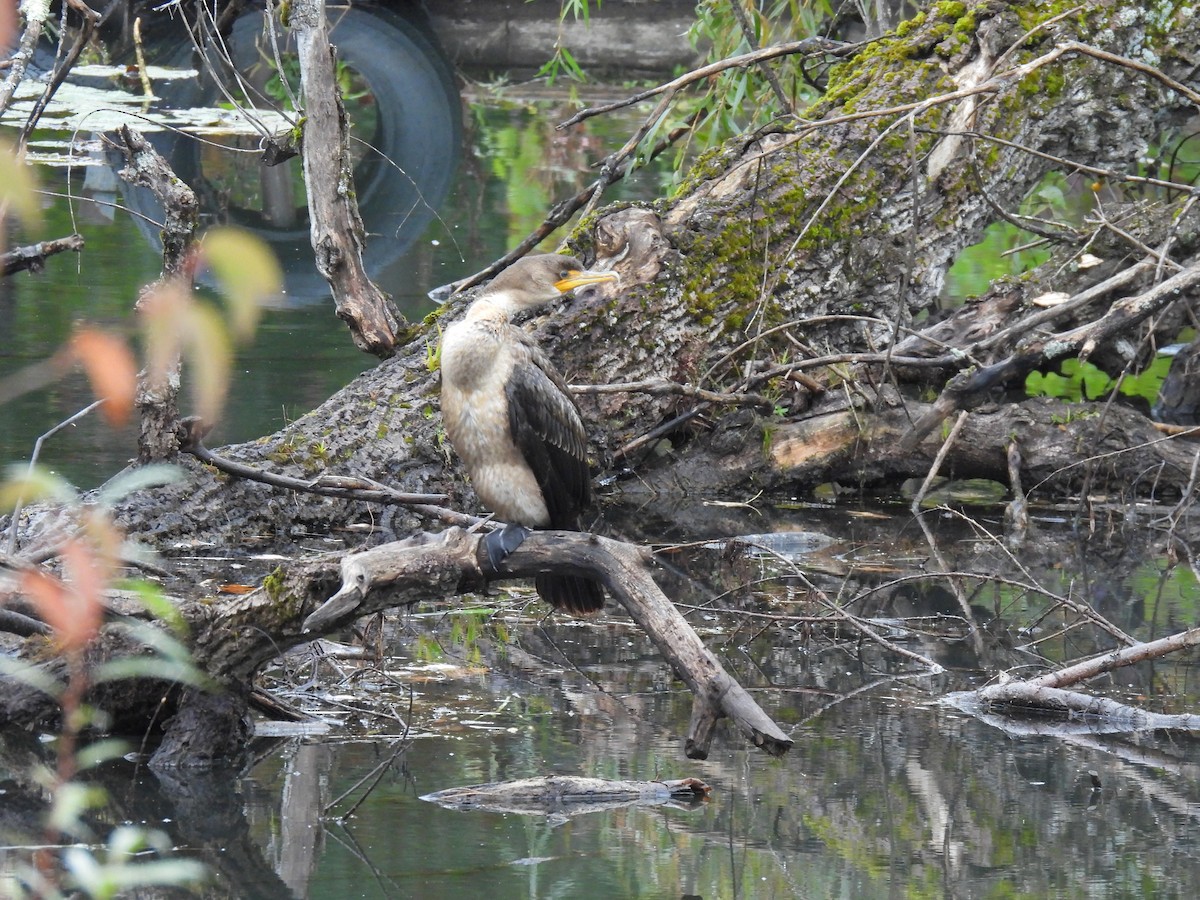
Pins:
x: 534, y: 280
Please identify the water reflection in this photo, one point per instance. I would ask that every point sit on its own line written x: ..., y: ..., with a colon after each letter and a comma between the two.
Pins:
x: 400, y: 96
x: 877, y: 799
x: 887, y: 791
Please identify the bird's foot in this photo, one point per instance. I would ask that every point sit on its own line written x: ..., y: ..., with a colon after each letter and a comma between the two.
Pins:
x: 500, y: 545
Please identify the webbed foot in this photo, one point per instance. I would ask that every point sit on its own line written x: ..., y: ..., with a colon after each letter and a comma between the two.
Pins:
x: 501, y: 544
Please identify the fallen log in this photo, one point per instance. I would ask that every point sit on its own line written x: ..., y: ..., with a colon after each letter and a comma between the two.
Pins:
x: 1046, y: 694
x: 1082, y: 712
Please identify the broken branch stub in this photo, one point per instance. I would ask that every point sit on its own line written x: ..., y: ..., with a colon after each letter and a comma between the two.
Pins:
x: 336, y: 229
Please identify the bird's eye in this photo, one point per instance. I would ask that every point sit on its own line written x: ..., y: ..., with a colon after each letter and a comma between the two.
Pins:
x: 564, y: 273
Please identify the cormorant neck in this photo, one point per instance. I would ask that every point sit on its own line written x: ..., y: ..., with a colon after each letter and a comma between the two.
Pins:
x: 495, y: 306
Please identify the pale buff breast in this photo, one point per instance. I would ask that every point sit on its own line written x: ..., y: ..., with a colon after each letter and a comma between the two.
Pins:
x: 476, y: 365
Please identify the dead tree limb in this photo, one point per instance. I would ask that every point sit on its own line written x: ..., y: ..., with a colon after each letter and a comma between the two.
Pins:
x: 33, y: 256
x: 1045, y: 693
x: 366, y: 490
x: 158, y: 391
x: 1126, y: 656
x: 233, y: 639
x: 623, y: 568
x: 965, y: 389
x: 336, y: 228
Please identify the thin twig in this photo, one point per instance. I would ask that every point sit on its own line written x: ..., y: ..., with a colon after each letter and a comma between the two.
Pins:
x: 191, y: 442
x: 748, y: 33
x: 662, y: 387
x: 37, y: 450
x: 807, y: 45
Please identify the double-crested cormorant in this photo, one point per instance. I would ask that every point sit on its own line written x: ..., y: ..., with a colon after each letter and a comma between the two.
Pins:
x: 511, y: 418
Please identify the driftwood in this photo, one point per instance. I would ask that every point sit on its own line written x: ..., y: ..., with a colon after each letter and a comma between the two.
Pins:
x: 1046, y: 694
x: 623, y: 568
x: 336, y: 228
x: 563, y: 796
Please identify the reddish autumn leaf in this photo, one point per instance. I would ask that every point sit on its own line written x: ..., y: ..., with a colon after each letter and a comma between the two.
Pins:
x: 111, y: 370
x: 73, y: 611
x: 8, y: 24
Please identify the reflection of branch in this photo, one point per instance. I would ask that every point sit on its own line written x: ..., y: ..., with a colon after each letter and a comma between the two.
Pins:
x: 862, y: 625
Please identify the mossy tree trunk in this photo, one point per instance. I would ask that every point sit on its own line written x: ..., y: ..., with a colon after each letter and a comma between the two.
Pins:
x: 842, y: 224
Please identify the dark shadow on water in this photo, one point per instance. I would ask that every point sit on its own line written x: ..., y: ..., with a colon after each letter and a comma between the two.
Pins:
x: 401, y: 97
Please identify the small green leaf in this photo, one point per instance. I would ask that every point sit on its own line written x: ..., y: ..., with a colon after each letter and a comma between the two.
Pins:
x: 246, y: 270
x: 133, y: 480
x: 157, y: 604
x: 25, y: 485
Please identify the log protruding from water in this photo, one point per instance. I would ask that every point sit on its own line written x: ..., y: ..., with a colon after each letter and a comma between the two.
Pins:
x: 625, y: 571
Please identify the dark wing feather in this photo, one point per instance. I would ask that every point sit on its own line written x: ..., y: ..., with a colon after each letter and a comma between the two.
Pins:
x: 549, y: 432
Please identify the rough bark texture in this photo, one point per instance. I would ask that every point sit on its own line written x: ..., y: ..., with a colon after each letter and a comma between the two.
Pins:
x: 33, y: 257
x: 337, y: 229
x: 836, y: 215
x: 158, y: 391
